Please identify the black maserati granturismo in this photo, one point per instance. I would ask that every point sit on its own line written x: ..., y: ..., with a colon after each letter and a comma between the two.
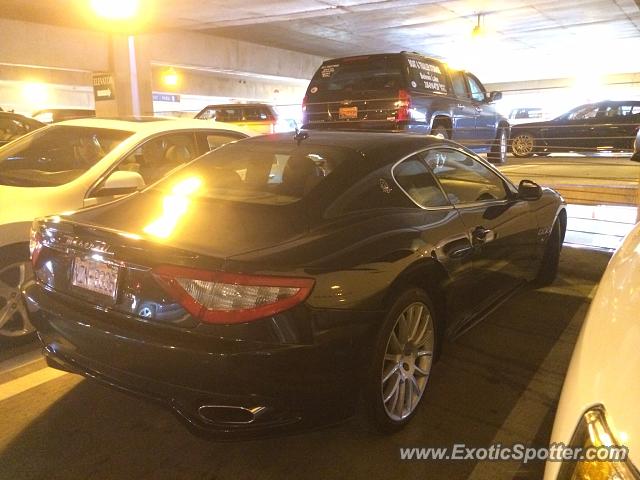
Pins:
x: 277, y: 282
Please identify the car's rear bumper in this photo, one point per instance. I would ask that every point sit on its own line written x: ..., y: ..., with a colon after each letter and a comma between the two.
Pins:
x: 273, y: 388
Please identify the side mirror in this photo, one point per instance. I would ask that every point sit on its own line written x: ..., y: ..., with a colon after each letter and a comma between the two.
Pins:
x: 494, y: 97
x: 530, y: 191
x: 120, y: 182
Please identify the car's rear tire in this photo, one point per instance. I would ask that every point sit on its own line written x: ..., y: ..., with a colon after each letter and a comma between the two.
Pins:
x: 523, y: 145
x: 401, y: 361
x: 551, y: 259
x: 498, y: 153
x: 15, y: 270
x: 441, y: 130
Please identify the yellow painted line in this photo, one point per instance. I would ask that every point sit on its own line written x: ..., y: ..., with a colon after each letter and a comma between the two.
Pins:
x: 32, y: 380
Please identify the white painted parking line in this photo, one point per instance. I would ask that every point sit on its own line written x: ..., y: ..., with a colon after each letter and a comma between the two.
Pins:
x: 530, y: 410
x: 27, y: 382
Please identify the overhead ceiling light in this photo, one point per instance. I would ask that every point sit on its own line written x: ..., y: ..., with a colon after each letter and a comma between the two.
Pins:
x: 478, y: 30
x: 115, y: 9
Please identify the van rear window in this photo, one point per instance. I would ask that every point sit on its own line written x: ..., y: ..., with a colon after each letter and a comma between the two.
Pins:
x: 359, y: 75
x: 427, y: 75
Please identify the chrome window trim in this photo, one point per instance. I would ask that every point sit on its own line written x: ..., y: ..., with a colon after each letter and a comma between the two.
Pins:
x: 509, y: 187
x: 395, y: 180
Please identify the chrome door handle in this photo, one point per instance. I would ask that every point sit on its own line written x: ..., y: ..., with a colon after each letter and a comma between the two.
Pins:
x: 460, y: 105
x: 484, y: 235
x: 478, y: 109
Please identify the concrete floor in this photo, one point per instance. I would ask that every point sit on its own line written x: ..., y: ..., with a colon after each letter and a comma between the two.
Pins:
x: 499, y: 382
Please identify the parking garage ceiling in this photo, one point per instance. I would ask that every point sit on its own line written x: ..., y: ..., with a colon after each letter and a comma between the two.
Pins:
x: 524, y: 38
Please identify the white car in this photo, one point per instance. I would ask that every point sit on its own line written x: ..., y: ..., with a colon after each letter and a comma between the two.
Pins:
x: 601, y: 392
x: 80, y: 163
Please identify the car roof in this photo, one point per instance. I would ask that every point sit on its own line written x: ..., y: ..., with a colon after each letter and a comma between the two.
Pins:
x: 381, y: 55
x: 365, y: 142
x: 151, y: 125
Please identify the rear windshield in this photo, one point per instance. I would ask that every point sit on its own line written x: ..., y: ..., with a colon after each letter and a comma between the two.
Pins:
x: 380, y: 73
x: 366, y: 73
x: 55, y: 155
x: 268, y: 174
x: 244, y: 113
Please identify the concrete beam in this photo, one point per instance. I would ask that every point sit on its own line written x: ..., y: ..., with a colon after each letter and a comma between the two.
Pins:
x: 548, y: 84
x: 209, y: 52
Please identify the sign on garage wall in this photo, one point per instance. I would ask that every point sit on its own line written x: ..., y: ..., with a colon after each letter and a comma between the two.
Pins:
x: 166, y: 97
x: 103, y: 87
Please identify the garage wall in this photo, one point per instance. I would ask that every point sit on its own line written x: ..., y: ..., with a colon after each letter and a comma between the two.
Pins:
x: 62, y: 59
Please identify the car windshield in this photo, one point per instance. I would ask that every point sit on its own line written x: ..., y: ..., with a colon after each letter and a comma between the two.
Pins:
x: 267, y: 174
x: 55, y: 155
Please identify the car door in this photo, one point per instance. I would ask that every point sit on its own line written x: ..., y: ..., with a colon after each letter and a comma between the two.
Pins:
x: 485, y: 132
x: 464, y: 111
x: 618, y: 125
x: 576, y: 131
x: 501, y: 230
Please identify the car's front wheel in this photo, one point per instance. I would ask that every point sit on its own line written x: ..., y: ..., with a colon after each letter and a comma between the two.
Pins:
x: 523, y: 144
x: 15, y: 271
x: 402, y: 359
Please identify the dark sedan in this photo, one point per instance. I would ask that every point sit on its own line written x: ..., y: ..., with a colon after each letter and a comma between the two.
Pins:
x: 267, y: 284
x: 13, y: 125
x: 603, y: 126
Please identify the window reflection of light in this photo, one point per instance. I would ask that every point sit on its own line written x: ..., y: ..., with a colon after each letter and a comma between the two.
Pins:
x: 174, y: 206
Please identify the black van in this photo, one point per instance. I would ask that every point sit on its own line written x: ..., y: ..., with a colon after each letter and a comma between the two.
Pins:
x: 406, y: 92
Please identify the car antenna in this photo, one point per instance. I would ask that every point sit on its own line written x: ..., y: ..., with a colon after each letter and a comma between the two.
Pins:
x: 299, y: 136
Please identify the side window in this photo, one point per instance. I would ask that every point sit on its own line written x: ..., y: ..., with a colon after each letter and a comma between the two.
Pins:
x: 629, y: 110
x: 11, y: 129
x: 477, y: 92
x: 217, y: 139
x: 459, y: 84
x: 609, y: 111
x: 463, y: 178
x: 158, y: 156
x: 584, y: 113
x: 418, y: 183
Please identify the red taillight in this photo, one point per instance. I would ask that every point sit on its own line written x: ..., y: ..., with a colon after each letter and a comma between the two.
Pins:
x: 220, y: 297
x: 35, y: 242
x: 403, y: 106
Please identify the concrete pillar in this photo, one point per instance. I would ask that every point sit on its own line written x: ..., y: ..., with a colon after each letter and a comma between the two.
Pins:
x: 130, y: 69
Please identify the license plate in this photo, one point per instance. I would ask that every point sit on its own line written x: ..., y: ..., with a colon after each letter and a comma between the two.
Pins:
x: 348, y: 112
x: 98, y: 277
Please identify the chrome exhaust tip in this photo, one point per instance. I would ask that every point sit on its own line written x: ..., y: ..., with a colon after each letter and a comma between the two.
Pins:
x: 229, y: 414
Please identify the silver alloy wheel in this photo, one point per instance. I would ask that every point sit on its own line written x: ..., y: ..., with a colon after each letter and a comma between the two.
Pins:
x: 522, y: 145
x: 14, y: 321
x: 407, y: 361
